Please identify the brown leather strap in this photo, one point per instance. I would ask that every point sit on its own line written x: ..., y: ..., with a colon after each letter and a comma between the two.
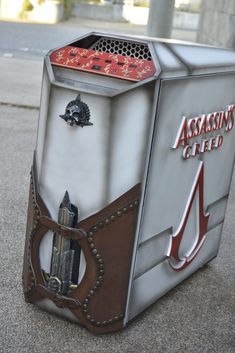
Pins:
x: 106, y: 239
x: 60, y: 300
x: 42, y: 223
x: 67, y: 232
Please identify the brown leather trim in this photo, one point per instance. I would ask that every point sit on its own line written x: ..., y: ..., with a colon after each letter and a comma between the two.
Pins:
x: 110, y: 236
x: 27, y: 276
x: 67, y: 232
x: 60, y: 300
x: 106, y: 239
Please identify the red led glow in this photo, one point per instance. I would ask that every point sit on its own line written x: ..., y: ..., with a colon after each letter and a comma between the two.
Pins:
x: 101, y: 63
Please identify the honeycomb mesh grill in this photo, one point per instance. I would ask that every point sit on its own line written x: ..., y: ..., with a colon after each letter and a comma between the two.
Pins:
x: 121, y: 47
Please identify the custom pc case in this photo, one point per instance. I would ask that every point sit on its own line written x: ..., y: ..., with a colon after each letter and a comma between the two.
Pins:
x: 131, y: 174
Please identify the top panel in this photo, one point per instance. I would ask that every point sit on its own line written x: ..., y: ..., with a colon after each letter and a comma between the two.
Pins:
x: 197, y: 56
x: 103, y: 63
x: 134, y: 59
x: 197, y: 59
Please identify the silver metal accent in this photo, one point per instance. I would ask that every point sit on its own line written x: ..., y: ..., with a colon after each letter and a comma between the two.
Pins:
x: 122, y: 47
x: 77, y: 113
x: 62, y: 255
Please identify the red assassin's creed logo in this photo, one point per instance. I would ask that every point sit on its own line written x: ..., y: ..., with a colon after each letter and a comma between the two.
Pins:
x: 176, y: 261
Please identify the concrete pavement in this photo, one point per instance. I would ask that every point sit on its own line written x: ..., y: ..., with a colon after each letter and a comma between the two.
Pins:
x: 195, y: 317
x: 20, y: 81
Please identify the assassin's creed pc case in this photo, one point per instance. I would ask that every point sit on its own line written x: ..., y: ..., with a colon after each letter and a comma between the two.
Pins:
x: 130, y: 176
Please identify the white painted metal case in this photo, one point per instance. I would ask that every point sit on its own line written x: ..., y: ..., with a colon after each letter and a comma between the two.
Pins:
x: 173, y: 132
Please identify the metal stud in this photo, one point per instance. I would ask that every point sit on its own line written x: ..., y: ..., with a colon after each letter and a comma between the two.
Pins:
x: 107, y: 221
x: 125, y: 210
x: 94, y: 251
x: 119, y: 213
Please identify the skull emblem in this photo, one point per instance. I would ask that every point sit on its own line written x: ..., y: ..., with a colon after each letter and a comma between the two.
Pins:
x: 77, y: 113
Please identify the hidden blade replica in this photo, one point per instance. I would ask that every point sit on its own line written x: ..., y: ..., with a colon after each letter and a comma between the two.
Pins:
x: 63, y: 257
x: 141, y: 132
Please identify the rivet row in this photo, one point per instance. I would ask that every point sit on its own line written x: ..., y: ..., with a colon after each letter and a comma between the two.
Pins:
x: 33, y: 227
x: 100, y: 266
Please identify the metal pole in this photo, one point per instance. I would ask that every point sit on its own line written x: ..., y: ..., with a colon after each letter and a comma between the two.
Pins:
x: 160, y: 18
